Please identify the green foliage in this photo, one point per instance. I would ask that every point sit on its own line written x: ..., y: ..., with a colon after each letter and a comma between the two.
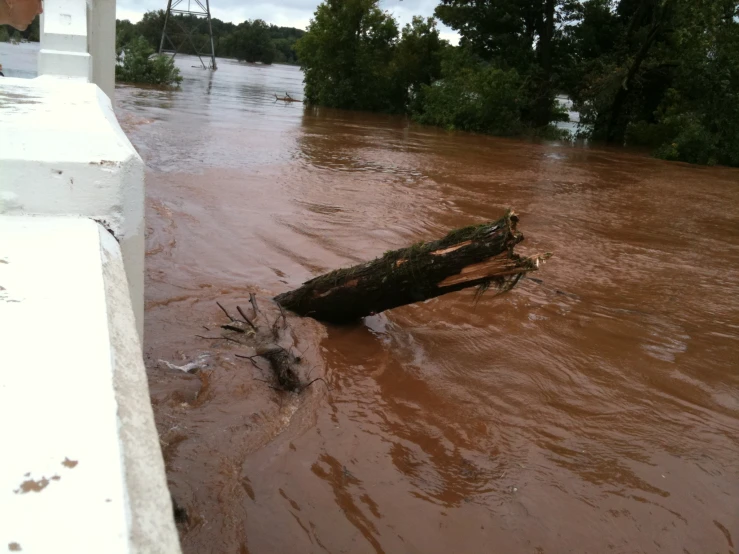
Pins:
x: 141, y: 66
x: 598, y: 31
x: 253, y: 42
x: 502, y: 31
x: 661, y: 73
x: 151, y: 25
x: 525, y: 35
x: 474, y: 96
x: 284, y: 39
x: 31, y: 34
x: 285, y: 50
x: 125, y: 32
x: 250, y: 40
x: 417, y: 60
x: 347, y: 56
x: 692, y: 142
x: 354, y: 57
x: 502, y: 79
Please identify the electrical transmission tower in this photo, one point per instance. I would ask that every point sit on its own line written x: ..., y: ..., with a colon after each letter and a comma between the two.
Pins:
x: 184, y: 22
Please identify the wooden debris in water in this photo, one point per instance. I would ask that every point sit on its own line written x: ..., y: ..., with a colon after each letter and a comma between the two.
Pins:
x: 264, y: 337
x: 286, y: 98
x: 477, y: 256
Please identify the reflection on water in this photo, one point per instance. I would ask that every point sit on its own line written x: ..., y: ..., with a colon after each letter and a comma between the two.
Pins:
x: 595, y: 408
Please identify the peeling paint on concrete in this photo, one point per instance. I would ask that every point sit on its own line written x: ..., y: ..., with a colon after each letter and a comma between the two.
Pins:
x: 32, y: 485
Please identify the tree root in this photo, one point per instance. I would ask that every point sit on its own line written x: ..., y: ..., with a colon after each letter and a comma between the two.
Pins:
x: 264, y: 339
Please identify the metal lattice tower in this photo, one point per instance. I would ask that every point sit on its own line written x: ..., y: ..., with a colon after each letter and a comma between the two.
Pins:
x: 183, y: 30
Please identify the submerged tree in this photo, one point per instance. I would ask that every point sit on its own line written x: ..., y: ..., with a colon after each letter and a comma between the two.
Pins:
x: 417, y: 60
x: 347, y: 55
x: 661, y: 73
x: 699, y: 114
x: 524, y: 35
x: 474, y: 96
x: 140, y: 65
x: 500, y: 80
x: 253, y: 42
x: 354, y: 57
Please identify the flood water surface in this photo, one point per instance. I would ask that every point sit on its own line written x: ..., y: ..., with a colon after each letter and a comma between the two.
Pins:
x: 594, y: 409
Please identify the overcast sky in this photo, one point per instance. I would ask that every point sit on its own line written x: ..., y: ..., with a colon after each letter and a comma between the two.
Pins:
x: 288, y: 13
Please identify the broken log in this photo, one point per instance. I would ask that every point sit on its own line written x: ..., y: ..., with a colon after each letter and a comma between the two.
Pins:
x: 480, y: 255
x: 286, y: 98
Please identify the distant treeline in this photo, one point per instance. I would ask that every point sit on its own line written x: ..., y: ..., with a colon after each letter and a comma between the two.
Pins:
x: 251, y: 41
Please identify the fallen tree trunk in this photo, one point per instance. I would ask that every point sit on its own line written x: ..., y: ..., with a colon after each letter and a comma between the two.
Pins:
x: 481, y: 255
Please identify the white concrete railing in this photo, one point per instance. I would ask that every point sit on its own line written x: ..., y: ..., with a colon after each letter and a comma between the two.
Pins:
x: 62, y: 152
x: 70, y: 32
x: 64, y: 50
x: 83, y: 470
x: 101, y: 41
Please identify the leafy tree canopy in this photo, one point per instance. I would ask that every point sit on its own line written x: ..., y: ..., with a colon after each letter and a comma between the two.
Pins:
x: 660, y: 73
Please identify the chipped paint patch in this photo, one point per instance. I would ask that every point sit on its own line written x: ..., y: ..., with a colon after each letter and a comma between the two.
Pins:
x: 69, y: 463
x: 106, y: 225
x: 32, y: 485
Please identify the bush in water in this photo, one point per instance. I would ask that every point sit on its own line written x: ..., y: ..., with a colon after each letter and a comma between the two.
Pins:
x: 138, y: 65
x: 481, y: 100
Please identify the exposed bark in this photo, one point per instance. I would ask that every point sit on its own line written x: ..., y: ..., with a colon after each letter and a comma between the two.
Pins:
x: 637, y: 19
x: 542, y: 107
x: 478, y: 255
x: 546, y: 37
x: 612, y: 134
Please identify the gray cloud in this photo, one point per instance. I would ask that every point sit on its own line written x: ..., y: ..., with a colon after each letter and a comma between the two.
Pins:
x: 290, y: 13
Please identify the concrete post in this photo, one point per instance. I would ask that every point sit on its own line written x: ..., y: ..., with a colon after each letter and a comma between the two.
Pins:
x: 101, y: 44
x: 63, y: 153
x: 64, y: 40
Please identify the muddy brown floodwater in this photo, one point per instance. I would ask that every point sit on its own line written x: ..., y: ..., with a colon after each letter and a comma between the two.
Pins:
x: 596, y: 410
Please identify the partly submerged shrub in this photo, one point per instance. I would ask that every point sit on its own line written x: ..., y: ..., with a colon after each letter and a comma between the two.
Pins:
x: 480, y: 99
x: 138, y: 64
